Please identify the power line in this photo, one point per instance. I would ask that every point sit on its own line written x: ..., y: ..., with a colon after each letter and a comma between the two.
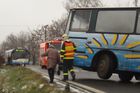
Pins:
x: 16, y: 25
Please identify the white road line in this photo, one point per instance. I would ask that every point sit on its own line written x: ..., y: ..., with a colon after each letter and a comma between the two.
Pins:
x: 84, y: 86
x: 63, y: 85
x: 87, y: 87
x: 91, y: 89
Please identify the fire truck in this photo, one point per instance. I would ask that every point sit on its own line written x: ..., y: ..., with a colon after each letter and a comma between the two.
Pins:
x: 43, y: 48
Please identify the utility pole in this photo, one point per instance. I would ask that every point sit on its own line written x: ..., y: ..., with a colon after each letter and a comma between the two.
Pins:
x: 45, y: 31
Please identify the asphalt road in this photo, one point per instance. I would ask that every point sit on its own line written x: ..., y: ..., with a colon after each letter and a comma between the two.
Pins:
x: 113, y: 85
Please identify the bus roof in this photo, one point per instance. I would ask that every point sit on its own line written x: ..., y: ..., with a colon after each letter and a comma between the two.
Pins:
x: 8, y: 51
x: 107, y: 8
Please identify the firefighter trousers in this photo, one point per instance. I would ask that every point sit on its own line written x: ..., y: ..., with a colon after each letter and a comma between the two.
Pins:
x: 68, y: 67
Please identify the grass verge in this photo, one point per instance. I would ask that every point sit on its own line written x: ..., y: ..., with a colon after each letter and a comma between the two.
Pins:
x: 22, y: 80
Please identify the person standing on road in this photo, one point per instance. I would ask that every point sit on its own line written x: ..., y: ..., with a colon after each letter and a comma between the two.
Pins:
x: 67, y: 55
x: 53, y: 59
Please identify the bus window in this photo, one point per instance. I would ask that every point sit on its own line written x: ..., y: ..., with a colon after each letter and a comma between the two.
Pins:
x: 80, y: 21
x: 138, y: 25
x: 20, y: 54
x: 116, y: 21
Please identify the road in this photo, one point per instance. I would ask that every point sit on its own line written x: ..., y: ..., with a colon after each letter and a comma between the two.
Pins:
x: 113, y: 85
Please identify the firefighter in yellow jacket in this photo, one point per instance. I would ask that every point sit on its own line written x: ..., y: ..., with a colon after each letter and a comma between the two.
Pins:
x: 67, y: 56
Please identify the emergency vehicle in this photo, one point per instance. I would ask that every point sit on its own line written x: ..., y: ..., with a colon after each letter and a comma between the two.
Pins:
x: 43, y: 48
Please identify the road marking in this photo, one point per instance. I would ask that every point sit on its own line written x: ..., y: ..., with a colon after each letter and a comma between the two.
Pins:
x: 63, y: 84
x: 87, y: 87
x: 91, y: 89
x: 57, y: 78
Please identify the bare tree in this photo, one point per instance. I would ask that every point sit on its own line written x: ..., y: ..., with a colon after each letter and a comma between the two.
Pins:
x: 136, y: 3
x: 82, y: 3
x: 11, y: 41
x: 4, y: 46
x: 57, y: 28
x: 22, y: 39
x: 33, y: 47
x: 127, y: 3
x: 14, y: 41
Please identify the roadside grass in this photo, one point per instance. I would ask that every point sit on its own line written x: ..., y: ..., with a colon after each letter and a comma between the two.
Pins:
x: 22, y: 80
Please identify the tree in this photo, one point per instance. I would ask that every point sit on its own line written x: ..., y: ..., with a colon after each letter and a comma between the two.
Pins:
x: 33, y: 48
x: 136, y: 3
x: 9, y: 43
x: 82, y: 3
x: 57, y: 28
x: 127, y: 3
x: 22, y: 39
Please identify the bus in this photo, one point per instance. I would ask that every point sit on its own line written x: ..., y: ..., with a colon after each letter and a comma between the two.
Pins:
x: 17, y: 56
x: 43, y: 48
x: 107, y: 40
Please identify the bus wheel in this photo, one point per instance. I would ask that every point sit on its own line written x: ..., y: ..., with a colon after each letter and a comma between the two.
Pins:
x: 137, y: 77
x: 105, y: 66
x: 125, y: 76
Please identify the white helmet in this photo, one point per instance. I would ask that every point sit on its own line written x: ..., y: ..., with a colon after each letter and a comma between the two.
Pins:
x: 65, y: 37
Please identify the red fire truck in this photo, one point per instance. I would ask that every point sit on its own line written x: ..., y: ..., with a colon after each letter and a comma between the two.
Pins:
x: 43, y: 48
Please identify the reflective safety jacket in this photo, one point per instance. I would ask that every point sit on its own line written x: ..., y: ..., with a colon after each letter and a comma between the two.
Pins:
x: 67, y: 50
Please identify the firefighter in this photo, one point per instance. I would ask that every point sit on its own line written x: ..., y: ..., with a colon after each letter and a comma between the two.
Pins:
x: 67, y: 56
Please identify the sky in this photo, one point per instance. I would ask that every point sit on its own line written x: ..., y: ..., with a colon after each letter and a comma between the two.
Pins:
x: 22, y: 15
x: 115, y: 3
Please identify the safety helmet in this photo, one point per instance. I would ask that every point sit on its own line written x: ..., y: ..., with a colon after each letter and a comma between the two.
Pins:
x: 64, y: 35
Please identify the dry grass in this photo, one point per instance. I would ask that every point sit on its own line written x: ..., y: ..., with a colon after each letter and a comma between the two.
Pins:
x: 22, y: 80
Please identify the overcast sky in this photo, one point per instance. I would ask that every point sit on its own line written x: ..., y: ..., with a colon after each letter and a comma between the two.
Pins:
x: 19, y: 15
x: 123, y: 3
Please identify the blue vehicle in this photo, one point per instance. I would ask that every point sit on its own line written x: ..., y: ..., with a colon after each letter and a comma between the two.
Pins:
x: 107, y: 40
x: 17, y: 56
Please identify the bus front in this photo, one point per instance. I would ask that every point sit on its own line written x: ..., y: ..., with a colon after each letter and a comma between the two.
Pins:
x: 20, y: 56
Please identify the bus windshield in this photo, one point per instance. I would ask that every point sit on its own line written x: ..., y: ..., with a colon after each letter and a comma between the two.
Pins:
x: 20, y: 54
x: 80, y: 21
